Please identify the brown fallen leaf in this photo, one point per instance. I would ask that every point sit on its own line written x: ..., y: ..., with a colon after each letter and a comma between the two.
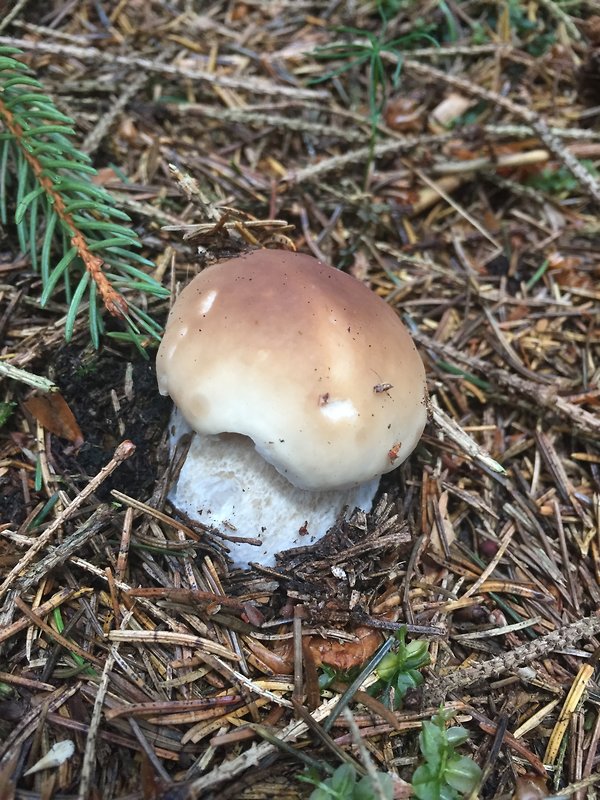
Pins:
x: 341, y: 655
x: 104, y: 176
x: 51, y: 411
x: 530, y: 787
x: 345, y: 655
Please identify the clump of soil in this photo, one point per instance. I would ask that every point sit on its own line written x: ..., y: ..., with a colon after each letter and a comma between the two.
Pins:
x: 113, y: 399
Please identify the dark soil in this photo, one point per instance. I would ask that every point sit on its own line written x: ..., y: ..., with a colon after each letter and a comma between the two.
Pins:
x: 89, y: 383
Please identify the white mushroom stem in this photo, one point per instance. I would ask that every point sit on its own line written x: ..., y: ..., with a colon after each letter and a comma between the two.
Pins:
x: 226, y: 484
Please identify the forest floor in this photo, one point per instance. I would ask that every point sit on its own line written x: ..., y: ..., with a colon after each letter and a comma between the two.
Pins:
x: 444, y: 153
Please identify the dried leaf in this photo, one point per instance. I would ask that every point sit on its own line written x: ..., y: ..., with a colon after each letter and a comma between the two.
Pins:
x: 404, y: 114
x: 530, y: 787
x: 105, y: 176
x: 451, y: 107
x: 56, y: 756
x: 345, y: 655
x: 51, y: 411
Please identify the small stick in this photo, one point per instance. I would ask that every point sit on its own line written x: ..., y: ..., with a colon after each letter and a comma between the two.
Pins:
x: 110, y: 578
x: 506, y: 539
x: 17, y: 374
x: 561, y: 638
x: 468, y: 445
x: 89, y: 756
x: 68, y: 645
x: 376, y: 785
x: 123, y: 452
x: 54, y: 602
x: 298, y: 656
x: 247, y: 82
x: 124, y: 547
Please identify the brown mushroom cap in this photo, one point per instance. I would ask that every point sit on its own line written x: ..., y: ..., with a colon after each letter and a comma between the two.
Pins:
x: 305, y: 360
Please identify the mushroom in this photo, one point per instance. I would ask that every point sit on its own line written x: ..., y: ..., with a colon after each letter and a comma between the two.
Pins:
x: 303, y: 388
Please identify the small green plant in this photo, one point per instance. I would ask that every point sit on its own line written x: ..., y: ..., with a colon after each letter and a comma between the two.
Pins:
x: 330, y: 674
x: 388, y: 8
x: 66, y: 223
x: 535, y: 37
x: 366, y: 50
x: 445, y: 775
x: 344, y: 784
x: 558, y: 181
x: 399, y: 671
x: 6, y: 410
x: 6, y: 691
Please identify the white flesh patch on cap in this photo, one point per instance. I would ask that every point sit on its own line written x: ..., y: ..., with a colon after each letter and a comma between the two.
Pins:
x: 338, y: 409
x: 225, y: 483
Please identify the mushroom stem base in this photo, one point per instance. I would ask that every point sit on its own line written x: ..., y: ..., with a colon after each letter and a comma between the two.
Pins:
x: 224, y: 483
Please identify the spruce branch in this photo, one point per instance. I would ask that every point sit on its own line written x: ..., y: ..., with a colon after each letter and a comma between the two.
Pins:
x: 58, y: 206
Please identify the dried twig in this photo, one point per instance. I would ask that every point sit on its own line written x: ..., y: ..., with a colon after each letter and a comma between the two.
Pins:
x: 246, y: 83
x: 123, y: 451
x: 564, y: 637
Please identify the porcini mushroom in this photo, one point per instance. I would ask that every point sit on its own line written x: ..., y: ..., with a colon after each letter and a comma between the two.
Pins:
x: 303, y: 387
